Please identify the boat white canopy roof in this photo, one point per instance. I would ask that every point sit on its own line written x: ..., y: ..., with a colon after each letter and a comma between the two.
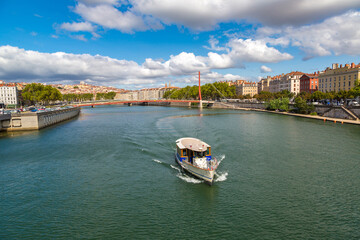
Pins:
x: 193, y: 144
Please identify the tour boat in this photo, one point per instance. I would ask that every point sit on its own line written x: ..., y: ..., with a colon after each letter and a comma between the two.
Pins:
x: 194, y: 156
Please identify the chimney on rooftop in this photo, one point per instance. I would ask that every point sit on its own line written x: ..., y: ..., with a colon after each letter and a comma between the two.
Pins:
x: 340, y: 65
x: 352, y: 65
x: 335, y: 66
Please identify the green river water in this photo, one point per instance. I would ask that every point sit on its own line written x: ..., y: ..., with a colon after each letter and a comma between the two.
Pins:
x: 111, y: 174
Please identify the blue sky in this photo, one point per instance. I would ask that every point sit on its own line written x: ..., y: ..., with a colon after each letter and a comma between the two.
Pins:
x: 136, y: 44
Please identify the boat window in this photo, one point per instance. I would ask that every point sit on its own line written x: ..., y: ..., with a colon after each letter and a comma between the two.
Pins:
x: 199, y: 154
x: 184, y: 152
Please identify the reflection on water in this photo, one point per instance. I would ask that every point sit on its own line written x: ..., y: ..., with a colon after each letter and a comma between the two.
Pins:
x: 208, y: 114
x: 19, y: 133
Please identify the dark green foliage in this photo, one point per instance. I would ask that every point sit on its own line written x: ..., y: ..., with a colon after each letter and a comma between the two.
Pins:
x: 78, y: 97
x: 278, y: 104
x: 37, y: 93
x: 105, y: 96
x: 264, y: 96
x: 301, y: 106
x: 208, y: 91
x: 317, y: 95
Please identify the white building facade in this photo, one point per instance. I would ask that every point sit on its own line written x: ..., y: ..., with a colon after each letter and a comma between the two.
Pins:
x: 9, y: 94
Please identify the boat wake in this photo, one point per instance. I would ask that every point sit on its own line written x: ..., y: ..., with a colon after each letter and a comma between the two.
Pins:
x: 158, y: 161
x: 188, y: 179
x: 183, y: 176
x: 220, y: 177
x: 221, y: 158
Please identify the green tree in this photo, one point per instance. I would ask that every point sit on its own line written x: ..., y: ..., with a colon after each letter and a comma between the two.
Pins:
x: 305, y: 95
x: 38, y: 93
x: 264, y: 96
x: 278, y: 104
x: 317, y: 95
x: 302, y: 106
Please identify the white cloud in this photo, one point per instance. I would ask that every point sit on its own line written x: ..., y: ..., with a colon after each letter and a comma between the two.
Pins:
x: 22, y: 65
x: 112, y: 2
x: 221, y: 60
x: 200, y: 15
x: 337, y: 35
x: 79, y: 37
x: 214, y: 45
x: 78, y: 27
x: 109, y: 16
x: 265, y: 69
x: 255, y: 51
x: 210, y: 77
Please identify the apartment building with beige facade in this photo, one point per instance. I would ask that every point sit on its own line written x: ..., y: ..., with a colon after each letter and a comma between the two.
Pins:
x: 289, y: 81
x: 339, y: 78
x: 247, y: 88
x: 144, y: 94
x: 264, y: 84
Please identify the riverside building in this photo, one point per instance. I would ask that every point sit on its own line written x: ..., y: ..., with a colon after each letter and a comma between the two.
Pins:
x: 144, y: 94
x: 339, y: 78
x: 264, y: 84
x: 247, y: 88
x: 8, y: 94
x: 309, y: 82
x: 289, y: 81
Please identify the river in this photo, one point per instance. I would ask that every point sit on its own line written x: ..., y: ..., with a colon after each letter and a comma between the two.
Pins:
x: 111, y: 174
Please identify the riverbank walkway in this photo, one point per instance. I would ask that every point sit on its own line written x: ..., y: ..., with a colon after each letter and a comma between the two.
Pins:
x: 316, y: 117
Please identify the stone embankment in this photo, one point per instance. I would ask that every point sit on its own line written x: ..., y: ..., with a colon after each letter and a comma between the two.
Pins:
x: 37, y: 120
x: 349, y: 114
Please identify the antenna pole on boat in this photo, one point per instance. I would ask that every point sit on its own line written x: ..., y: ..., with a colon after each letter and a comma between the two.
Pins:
x: 200, y: 103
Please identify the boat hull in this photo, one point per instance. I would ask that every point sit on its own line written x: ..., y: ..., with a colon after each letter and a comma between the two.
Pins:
x: 204, y: 174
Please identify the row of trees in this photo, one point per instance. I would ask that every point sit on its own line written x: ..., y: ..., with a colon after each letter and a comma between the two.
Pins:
x: 105, y: 96
x: 38, y: 93
x: 317, y: 95
x: 71, y: 97
x: 282, y: 104
x: 208, y: 91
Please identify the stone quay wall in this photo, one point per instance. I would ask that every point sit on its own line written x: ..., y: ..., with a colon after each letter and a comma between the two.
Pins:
x: 239, y: 105
x: 4, y: 118
x: 38, y: 120
x: 321, y: 110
